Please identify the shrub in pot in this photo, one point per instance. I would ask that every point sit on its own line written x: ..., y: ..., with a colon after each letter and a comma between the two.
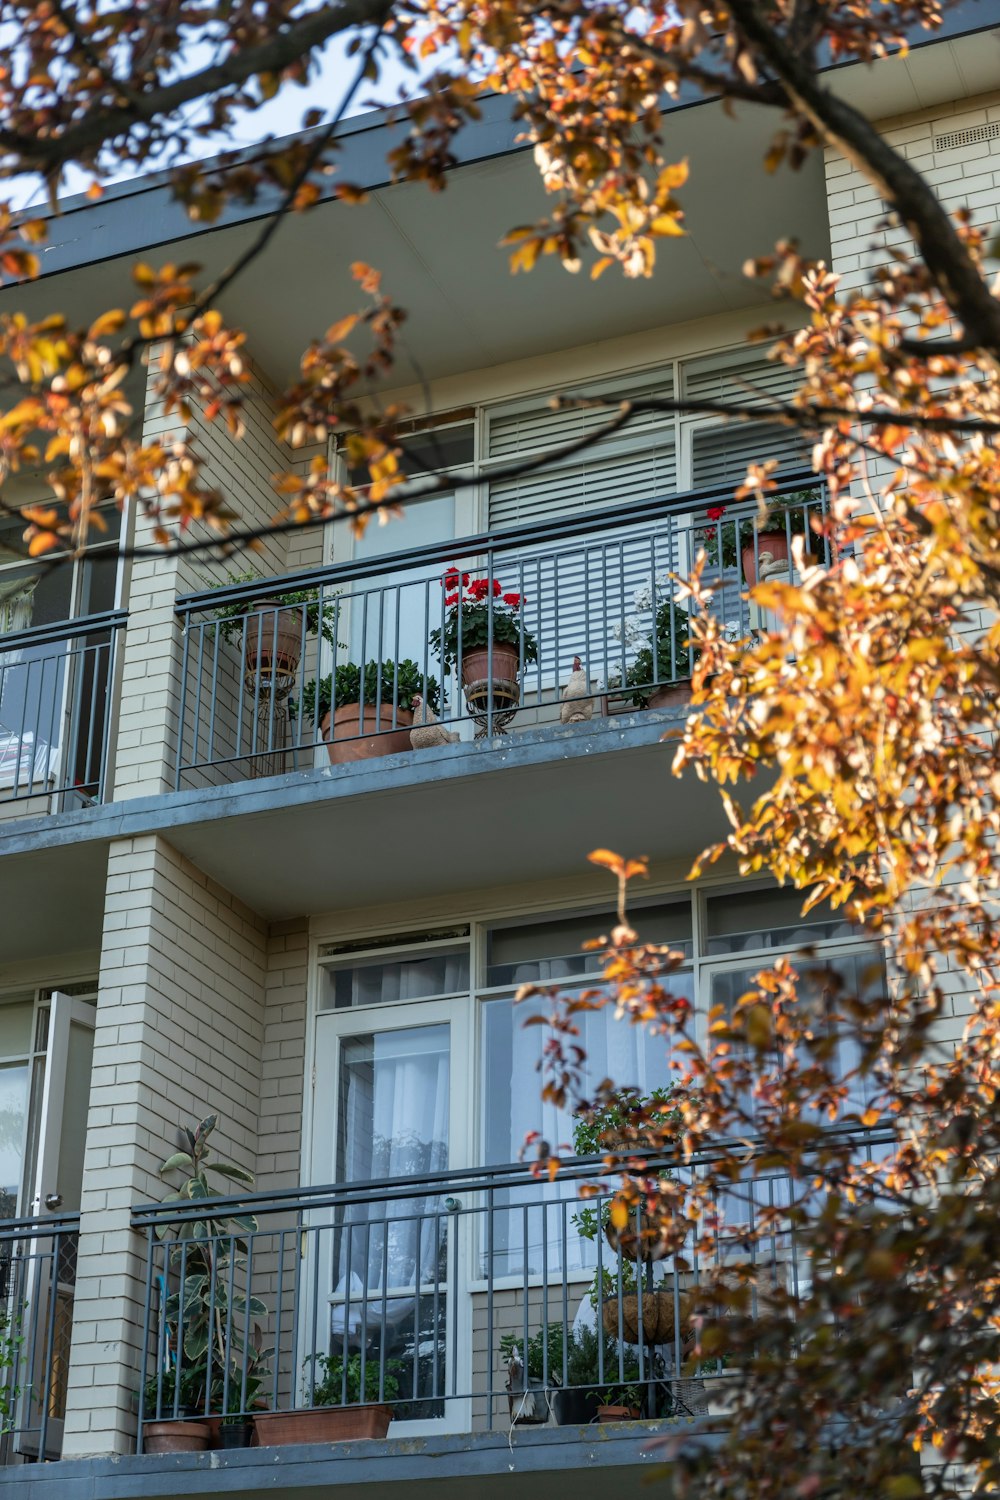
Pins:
x: 383, y: 690
x: 664, y: 681
x: 746, y: 539
x: 345, y: 1404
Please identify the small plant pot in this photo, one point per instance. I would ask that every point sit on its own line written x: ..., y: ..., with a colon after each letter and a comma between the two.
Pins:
x: 618, y: 1414
x: 327, y: 1424
x: 774, y: 543
x: 175, y: 1437
x: 273, y: 638
x: 574, y: 1408
x: 236, y: 1435
x: 355, y: 739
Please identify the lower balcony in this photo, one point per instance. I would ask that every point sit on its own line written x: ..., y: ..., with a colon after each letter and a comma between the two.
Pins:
x: 450, y: 1313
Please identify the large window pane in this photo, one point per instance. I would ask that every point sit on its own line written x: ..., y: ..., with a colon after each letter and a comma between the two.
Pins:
x: 533, y: 1228
x: 13, y: 1107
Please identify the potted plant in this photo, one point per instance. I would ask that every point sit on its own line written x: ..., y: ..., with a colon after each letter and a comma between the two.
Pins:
x: 621, y: 1403
x: 190, y: 1433
x: 271, y: 627
x: 346, y: 1402
x: 210, y: 1254
x: 478, y: 615
x: 568, y: 1367
x: 665, y: 681
x: 361, y: 707
x: 758, y: 546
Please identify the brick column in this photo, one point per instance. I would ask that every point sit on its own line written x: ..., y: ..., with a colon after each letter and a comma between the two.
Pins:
x: 180, y: 1019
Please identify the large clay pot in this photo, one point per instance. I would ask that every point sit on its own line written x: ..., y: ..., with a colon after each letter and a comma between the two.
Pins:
x: 325, y: 1424
x: 353, y: 740
x: 273, y: 637
x: 175, y: 1437
x: 476, y: 677
x: 671, y: 695
x: 657, y: 1316
x: 775, y: 543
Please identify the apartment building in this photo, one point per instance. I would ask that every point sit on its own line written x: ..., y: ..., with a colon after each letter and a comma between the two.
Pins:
x: 213, y: 905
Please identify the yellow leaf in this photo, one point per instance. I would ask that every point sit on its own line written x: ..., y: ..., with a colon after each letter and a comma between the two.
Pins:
x: 612, y: 862
x: 109, y: 322
x: 666, y: 224
x: 619, y: 1214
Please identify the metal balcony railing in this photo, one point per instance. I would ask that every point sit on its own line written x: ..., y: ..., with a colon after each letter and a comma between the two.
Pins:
x: 56, y: 686
x: 37, y: 1283
x: 271, y: 670
x: 468, y: 1300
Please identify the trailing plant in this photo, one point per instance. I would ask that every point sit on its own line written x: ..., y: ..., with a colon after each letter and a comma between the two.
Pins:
x: 207, y: 1313
x: 340, y: 1382
x: 379, y: 685
x: 477, y: 611
x: 233, y: 617
x: 11, y: 1342
x: 723, y: 541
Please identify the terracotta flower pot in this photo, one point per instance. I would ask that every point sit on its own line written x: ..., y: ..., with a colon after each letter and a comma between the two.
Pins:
x: 273, y: 637
x: 618, y: 1414
x: 476, y: 676
x: 353, y: 739
x: 773, y: 542
x: 326, y: 1424
x: 175, y: 1437
x: 672, y: 695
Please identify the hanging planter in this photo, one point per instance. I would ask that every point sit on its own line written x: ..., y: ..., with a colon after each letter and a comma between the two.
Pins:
x: 491, y: 686
x: 658, y: 1316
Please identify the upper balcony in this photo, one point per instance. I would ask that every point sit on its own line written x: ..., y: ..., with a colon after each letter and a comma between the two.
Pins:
x: 520, y: 634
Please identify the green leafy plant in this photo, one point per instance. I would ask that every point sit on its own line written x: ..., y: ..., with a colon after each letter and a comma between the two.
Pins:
x: 673, y: 655
x: 723, y: 540
x: 340, y: 1381
x: 477, y: 611
x: 11, y: 1342
x: 233, y: 617
x: 379, y: 685
x: 592, y: 1356
x: 207, y: 1312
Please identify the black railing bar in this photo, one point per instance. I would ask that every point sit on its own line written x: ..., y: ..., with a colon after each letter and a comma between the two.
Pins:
x: 63, y: 630
x: 333, y: 1195
x: 638, y: 511
x: 38, y: 1229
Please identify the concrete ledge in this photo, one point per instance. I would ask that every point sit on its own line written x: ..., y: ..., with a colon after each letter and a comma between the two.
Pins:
x: 522, y: 1463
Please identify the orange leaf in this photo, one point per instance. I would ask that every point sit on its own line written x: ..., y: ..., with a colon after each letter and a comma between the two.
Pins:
x: 612, y: 862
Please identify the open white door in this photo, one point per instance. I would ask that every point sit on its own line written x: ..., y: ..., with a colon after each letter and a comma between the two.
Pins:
x: 44, y: 1289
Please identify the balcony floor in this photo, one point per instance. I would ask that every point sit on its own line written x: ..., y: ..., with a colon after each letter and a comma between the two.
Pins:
x: 487, y: 1466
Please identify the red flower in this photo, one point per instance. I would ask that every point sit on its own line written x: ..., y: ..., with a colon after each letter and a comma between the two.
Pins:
x: 452, y: 578
x: 715, y: 512
x: 514, y: 600
x: 450, y: 599
x: 479, y: 588
x: 496, y: 588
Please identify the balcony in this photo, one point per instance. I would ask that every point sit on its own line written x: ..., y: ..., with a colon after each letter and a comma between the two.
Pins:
x: 478, y: 1304
x: 320, y: 669
x: 37, y: 1281
x: 55, y: 715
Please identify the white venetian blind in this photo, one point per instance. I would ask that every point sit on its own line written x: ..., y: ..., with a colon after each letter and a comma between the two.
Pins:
x: 637, y: 463
x: 720, y: 453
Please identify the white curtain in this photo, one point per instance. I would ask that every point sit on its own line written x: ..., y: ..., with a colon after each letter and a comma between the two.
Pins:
x: 394, y: 1097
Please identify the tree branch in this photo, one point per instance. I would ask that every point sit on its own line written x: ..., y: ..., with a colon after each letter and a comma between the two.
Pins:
x: 946, y: 257
x: 77, y: 141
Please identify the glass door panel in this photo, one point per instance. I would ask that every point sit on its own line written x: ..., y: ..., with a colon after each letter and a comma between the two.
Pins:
x: 389, y: 1257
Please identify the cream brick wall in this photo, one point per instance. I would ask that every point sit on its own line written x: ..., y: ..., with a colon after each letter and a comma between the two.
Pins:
x: 963, y: 176
x: 151, y: 672
x: 180, y: 1027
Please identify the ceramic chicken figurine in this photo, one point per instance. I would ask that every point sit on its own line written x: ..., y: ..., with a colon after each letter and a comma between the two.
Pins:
x: 427, y: 730
x: 577, y: 702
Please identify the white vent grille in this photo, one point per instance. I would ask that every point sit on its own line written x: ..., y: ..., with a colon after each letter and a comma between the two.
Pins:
x: 966, y: 137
